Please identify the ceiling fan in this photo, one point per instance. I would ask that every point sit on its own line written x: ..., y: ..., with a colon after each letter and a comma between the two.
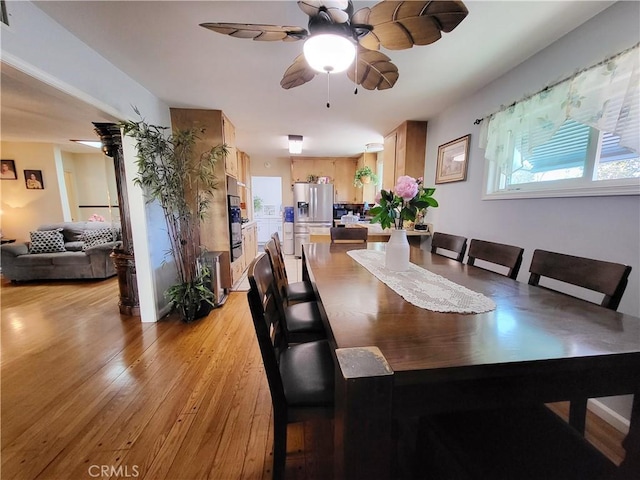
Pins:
x: 336, y: 35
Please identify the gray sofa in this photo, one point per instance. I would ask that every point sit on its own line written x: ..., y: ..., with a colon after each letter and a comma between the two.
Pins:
x: 85, y: 254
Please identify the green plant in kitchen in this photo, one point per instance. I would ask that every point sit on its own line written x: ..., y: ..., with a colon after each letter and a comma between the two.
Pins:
x: 364, y: 175
x: 182, y: 183
x: 257, y: 204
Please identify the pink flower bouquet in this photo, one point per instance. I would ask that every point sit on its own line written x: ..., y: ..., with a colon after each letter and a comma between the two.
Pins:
x: 402, y: 203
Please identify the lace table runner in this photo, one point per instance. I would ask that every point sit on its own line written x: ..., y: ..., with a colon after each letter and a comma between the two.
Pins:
x: 423, y: 288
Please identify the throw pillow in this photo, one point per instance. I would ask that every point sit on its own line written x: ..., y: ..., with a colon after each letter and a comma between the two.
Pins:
x: 46, y: 241
x: 99, y: 236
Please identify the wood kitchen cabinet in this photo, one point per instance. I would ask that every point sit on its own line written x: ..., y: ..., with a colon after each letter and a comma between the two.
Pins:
x: 249, y: 251
x: 344, y: 190
x: 341, y: 170
x: 404, y: 152
x: 229, y: 138
x: 303, y: 167
x: 368, y: 191
x: 237, y: 268
x: 250, y: 243
x: 244, y: 183
x: 214, y: 230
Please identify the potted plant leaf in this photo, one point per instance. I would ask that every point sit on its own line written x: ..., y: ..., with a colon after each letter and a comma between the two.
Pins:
x: 182, y: 182
x: 364, y: 175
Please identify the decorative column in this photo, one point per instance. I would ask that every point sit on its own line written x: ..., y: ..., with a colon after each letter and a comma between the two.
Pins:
x: 122, y: 257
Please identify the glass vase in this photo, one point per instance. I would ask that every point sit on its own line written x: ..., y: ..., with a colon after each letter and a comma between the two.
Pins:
x: 397, y: 251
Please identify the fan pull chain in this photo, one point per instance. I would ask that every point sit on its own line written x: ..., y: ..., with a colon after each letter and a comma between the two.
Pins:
x: 328, y: 91
x: 355, y: 78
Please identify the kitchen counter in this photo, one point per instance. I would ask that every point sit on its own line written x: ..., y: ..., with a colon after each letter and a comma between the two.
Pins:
x: 376, y: 233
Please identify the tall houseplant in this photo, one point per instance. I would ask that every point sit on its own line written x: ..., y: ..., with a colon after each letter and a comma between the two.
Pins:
x: 183, y: 183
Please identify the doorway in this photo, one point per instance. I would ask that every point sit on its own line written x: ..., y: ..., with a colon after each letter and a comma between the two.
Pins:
x: 267, y: 207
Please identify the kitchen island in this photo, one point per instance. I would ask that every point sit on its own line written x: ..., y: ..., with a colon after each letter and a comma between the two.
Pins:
x: 376, y: 233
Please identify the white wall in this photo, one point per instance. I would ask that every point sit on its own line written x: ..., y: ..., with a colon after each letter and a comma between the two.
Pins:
x: 95, y: 184
x: 24, y: 210
x: 40, y: 47
x: 606, y: 228
x: 277, y: 167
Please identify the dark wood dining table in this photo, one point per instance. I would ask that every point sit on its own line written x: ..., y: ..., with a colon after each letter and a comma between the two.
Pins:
x: 396, y: 360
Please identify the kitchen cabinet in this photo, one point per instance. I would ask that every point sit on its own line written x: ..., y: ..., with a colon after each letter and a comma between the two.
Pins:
x: 249, y: 243
x: 237, y: 268
x: 244, y: 167
x: 244, y: 184
x: 303, y: 167
x: 239, y: 161
x: 266, y: 227
x: 229, y: 138
x: 249, y: 251
x: 344, y: 190
x: 404, y: 152
x: 214, y: 229
x: 340, y: 170
x: 368, y: 191
x: 262, y: 230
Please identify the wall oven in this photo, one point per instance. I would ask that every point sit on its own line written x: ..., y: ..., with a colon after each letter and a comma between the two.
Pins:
x: 235, y: 227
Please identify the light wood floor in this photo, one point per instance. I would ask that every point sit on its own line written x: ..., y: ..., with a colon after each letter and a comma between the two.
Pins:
x: 84, y: 389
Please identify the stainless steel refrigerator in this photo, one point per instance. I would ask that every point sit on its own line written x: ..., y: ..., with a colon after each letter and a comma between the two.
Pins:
x: 312, y: 207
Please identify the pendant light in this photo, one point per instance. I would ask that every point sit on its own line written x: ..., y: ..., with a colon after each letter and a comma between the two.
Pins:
x: 295, y: 144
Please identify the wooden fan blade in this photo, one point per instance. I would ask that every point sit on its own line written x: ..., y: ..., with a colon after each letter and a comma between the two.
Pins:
x: 361, y: 16
x: 398, y: 25
x: 375, y: 70
x: 264, y: 33
x: 298, y: 73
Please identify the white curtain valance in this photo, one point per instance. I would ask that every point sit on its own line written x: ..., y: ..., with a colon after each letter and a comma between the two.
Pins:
x: 605, y: 96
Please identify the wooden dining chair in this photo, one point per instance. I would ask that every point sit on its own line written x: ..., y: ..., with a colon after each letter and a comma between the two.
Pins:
x: 603, y: 277
x: 302, y: 320
x: 498, y: 253
x: 300, y: 377
x: 529, y: 442
x: 349, y: 235
x: 452, y: 243
x: 292, y: 292
x: 600, y: 276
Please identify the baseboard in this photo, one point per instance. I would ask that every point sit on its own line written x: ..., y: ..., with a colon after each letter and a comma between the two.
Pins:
x: 164, y: 311
x: 610, y: 416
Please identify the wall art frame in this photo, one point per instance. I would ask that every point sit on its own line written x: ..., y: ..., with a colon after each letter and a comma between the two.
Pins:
x: 453, y: 158
x: 8, y: 170
x: 33, y: 179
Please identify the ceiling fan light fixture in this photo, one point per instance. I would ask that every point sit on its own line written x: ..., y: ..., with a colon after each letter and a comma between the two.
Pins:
x: 89, y: 143
x: 329, y: 53
x: 373, y: 147
x: 295, y: 144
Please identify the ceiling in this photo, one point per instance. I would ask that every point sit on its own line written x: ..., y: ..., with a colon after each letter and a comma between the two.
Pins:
x: 161, y: 45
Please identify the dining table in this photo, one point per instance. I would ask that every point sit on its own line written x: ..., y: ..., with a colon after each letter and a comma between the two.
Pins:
x: 395, y: 358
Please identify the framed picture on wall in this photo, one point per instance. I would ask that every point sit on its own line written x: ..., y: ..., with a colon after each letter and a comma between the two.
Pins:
x: 452, y: 160
x: 8, y: 170
x: 4, y: 17
x: 33, y: 179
